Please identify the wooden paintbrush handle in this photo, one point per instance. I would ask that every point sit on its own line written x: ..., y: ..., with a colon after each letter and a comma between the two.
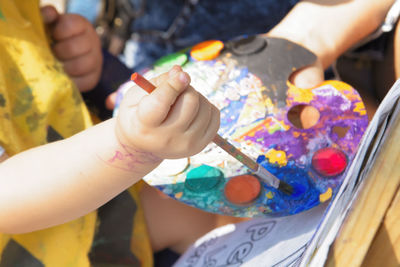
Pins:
x: 236, y: 153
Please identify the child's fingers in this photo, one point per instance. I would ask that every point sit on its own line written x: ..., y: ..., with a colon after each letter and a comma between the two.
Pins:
x: 158, y: 80
x: 154, y: 108
x: 163, y: 77
x: 73, y: 47
x: 87, y: 82
x: 49, y: 14
x: 202, y: 119
x: 111, y: 100
x: 69, y: 25
x: 211, y: 129
x: 79, y: 66
x: 205, y: 126
x: 184, y: 111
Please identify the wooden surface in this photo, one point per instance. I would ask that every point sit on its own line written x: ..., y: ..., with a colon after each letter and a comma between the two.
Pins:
x: 385, y: 248
x: 370, y: 236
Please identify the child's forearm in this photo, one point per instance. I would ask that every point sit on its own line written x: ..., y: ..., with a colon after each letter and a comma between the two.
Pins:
x: 61, y: 181
x: 329, y: 28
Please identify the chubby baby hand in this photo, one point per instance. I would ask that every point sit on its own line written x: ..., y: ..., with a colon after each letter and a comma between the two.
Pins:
x: 76, y: 45
x: 174, y: 121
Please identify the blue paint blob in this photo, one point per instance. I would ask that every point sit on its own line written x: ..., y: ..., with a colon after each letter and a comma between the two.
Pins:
x: 298, y: 190
x: 203, y: 178
x: 260, y: 158
x: 305, y: 195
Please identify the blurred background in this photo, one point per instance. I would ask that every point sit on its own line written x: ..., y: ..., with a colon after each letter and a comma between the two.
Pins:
x: 138, y: 32
x: 59, y: 4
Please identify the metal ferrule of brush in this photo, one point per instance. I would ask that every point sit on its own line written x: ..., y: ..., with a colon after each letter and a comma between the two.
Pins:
x: 267, y: 176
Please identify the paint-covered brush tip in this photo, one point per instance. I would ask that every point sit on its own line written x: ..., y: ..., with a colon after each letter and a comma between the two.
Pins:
x: 285, y: 188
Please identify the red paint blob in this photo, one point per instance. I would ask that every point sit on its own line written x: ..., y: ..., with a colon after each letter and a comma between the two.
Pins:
x: 329, y: 161
x: 243, y: 189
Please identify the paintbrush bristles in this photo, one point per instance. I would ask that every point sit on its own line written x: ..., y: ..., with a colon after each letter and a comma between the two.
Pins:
x: 285, y: 188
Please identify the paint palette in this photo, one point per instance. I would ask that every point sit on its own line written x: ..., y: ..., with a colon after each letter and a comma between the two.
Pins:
x: 247, y: 79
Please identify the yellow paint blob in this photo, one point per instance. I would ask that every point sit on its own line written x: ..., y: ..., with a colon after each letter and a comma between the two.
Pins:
x: 360, y: 108
x: 344, y: 88
x: 276, y: 157
x: 298, y: 95
x: 269, y: 195
x: 179, y: 194
x: 325, y: 196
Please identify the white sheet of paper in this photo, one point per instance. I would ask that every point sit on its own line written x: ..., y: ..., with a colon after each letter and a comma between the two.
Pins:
x: 258, y: 242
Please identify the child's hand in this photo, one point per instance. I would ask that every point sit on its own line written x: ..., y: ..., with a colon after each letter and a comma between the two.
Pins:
x: 174, y: 121
x: 76, y: 45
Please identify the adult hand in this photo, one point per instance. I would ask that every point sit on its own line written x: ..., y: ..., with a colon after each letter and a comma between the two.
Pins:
x: 309, y: 76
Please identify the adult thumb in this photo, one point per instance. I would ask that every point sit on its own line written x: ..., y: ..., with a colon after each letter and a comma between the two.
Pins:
x: 308, y: 77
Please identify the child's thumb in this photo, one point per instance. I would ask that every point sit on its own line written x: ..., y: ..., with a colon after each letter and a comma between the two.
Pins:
x: 49, y: 14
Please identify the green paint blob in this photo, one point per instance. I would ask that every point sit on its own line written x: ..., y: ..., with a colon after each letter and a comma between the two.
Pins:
x: 2, y: 101
x: 2, y: 16
x: 203, y: 178
x: 170, y: 60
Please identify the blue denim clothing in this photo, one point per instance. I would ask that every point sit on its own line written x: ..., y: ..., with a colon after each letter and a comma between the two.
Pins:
x: 88, y: 8
x: 209, y: 19
x: 114, y: 73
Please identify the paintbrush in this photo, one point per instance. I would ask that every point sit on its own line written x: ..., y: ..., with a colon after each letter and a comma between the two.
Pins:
x: 257, y: 169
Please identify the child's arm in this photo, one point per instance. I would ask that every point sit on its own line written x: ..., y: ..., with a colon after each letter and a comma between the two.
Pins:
x: 61, y: 181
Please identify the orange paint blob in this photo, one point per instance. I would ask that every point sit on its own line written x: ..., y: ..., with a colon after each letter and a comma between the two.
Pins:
x: 242, y: 190
x: 206, y: 50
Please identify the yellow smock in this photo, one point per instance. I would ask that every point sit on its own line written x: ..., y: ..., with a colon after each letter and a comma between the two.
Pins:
x: 40, y: 104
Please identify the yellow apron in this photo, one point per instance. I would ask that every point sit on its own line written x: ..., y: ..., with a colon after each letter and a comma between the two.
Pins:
x: 40, y: 104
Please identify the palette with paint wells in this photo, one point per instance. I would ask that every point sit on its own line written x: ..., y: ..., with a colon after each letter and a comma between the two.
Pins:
x: 247, y: 79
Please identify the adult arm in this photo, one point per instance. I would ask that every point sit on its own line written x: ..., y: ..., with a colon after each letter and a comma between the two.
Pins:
x: 329, y: 28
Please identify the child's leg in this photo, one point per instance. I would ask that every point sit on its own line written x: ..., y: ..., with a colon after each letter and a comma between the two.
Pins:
x: 172, y: 224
